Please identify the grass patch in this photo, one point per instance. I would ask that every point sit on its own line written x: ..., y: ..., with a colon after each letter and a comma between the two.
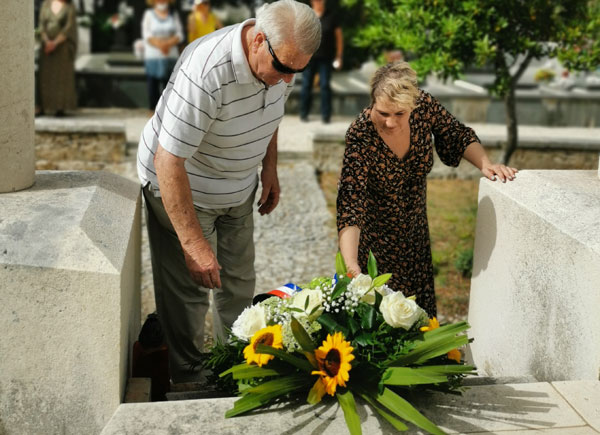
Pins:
x: 452, y: 210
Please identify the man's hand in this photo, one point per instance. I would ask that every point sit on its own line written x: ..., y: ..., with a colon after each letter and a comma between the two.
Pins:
x: 269, y: 197
x: 203, y: 265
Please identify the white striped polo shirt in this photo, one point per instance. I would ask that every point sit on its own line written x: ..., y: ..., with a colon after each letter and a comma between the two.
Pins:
x: 216, y: 115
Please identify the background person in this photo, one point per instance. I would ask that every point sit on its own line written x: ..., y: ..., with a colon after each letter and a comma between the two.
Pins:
x: 201, y: 21
x: 328, y: 56
x: 381, y: 203
x: 197, y: 161
x: 161, y: 32
x: 58, y: 32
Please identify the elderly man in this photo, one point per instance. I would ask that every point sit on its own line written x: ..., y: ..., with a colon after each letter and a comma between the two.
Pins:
x: 215, y: 123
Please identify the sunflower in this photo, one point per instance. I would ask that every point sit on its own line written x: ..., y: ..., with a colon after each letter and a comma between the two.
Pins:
x: 433, y: 324
x: 333, y: 359
x: 270, y: 336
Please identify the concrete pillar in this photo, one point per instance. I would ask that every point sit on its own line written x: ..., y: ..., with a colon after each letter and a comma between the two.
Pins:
x: 69, y: 301
x: 17, y: 165
x: 535, y: 289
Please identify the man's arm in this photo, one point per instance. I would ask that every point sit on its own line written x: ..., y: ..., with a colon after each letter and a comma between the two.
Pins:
x: 269, y: 197
x: 177, y: 198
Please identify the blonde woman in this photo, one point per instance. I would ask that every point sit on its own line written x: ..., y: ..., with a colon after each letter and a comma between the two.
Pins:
x: 58, y: 31
x: 381, y: 203
x: 161, y: 32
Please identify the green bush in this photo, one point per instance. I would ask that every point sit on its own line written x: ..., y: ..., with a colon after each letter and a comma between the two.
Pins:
x: 464, y: 263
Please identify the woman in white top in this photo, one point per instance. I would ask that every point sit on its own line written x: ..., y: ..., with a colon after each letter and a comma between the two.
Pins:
x: 162, y: 32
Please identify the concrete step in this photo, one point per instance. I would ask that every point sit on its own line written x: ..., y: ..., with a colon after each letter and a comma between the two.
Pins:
x: 567, y: 407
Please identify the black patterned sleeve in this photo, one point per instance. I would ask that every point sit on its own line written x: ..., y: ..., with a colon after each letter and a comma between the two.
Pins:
x: 352, y: 186
x: 452, y: 137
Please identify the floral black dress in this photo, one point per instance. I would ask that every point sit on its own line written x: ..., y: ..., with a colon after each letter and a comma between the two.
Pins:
x: 386, y: 196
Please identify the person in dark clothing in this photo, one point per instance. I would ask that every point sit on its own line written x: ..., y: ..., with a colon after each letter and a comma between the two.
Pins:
x: 327, y: 57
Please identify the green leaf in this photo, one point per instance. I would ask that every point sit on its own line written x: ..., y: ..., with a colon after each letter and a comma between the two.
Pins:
x: 348, y: 405
x: 306, y: 303
x: 354, y: 325
x: 340, y: 287
x: 389, y: 417
x: 381, y: 280
x: 414, y: 376
x: 367, y: 315
x: 405, y: 410
x: 340, y: 265
x: 262, y: 394
x: 372, y: 265
x: 431, y: 349
x: 331, y: 325
x: 302, y: 336
x: 365, y: 339
x: 233, y: 369
x: 284, y: 356
x: 252, y: 371
x: 435, y: 343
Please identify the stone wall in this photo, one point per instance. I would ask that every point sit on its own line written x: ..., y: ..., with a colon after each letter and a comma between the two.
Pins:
x: 78, y: 143
x: 535, y: 289
x: 80, y: 151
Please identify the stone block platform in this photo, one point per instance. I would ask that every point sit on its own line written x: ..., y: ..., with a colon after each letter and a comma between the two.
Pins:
x: 571, y: 408
x: 79, y: 143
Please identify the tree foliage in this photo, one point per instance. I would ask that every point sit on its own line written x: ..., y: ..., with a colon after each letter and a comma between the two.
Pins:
x: 447, y: 36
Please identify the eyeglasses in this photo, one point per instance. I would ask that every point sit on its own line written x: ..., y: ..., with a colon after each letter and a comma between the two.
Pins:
x: 279, y: 67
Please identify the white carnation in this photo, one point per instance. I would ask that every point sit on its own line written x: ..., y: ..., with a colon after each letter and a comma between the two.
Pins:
x: 251, y: 320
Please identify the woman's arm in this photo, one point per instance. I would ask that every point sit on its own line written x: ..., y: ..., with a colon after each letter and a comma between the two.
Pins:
x: 476, y: 155
x: 352, y: 191
x: 348, y: 240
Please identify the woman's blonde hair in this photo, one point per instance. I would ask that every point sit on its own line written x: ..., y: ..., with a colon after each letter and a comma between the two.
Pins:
x: 152, y: 2
x: 396, y: 82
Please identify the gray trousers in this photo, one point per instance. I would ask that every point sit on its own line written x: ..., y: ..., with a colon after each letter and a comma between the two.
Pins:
x: 180, y: 302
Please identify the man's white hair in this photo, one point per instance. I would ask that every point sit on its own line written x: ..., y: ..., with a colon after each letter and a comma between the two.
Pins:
x: 288, y: 21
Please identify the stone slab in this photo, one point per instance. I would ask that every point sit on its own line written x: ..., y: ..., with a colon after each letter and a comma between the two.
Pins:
x: 482, y: 409
x: 70, y: 301
x: 584, y: 397
x: 535, y: 286
x: 79, y: 124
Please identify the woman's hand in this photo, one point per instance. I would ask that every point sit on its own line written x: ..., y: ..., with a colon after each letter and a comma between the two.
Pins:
x: 353, y: 269
x: 49, y: 46
x: 491, y: 171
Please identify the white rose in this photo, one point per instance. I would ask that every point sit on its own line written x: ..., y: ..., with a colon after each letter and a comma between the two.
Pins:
x: 251, y: 320
x: 399, y: 312
x: 361, y: 284
x: 315, y: 300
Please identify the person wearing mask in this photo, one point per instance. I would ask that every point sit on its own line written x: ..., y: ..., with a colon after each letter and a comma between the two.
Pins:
x: 201, y: 21
x: 161, y: 32
x: 327, y: 57
x: 58, y: 33
x: 198, y: 161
